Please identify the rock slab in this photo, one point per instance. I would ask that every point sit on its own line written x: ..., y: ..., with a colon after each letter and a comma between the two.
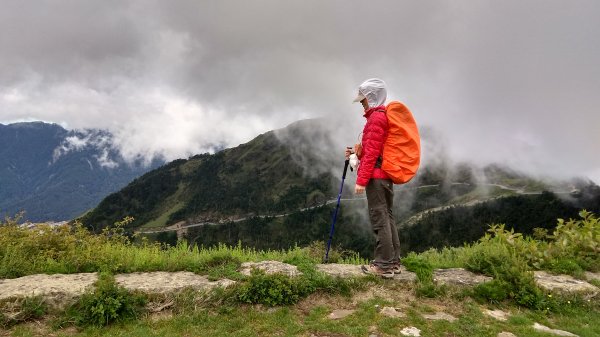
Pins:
x: 392, y: 312
x: 161, y: 282
x: 270, y: 267
x: 506, y: 334
x: 58, y: 289
x: 352, y: 270
x: 497, y: 314
x: 410, y: 331
x: 592, y: 276
x: 563, y: 283
x: 340, y: 313
x: 543, y: 328
x: 458, y: 276
x: 440, y: 316
x: 340, y: 270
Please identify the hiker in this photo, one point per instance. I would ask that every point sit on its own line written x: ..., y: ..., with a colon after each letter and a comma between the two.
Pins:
x: 371, y: 178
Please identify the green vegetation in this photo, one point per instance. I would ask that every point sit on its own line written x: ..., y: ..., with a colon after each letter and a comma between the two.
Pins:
x: 196, y: 314
x: 108, y: 303
x: 74, y: 250
x: 57, y: 188
x: 259, y: 177
x: 459, y: 224
x: 504, y: 254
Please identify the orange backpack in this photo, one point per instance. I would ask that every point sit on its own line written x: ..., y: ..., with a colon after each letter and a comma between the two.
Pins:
x: 402, y: 148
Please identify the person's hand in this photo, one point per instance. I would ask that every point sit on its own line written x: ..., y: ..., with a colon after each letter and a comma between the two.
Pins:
x: 348, y: 152
x: 358, y: 149
x: 358, y: 189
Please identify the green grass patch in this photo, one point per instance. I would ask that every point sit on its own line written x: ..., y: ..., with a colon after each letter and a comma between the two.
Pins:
x: 161, y: 221
x: 108, y: 303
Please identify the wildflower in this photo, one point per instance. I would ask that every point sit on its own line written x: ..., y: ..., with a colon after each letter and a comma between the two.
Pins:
x: 549, y: 295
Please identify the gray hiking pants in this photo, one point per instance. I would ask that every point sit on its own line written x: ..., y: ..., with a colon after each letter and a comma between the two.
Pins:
x: 380, y: 197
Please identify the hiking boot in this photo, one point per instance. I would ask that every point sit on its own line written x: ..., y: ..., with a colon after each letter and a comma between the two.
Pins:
x: 375, y: 270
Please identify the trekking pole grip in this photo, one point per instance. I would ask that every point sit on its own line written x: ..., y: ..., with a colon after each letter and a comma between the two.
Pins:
x: 345, y: 168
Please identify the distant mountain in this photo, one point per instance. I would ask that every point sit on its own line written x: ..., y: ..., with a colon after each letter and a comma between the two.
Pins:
x: 56, y: 174
x: 263, y: 176
x: 279, y: 190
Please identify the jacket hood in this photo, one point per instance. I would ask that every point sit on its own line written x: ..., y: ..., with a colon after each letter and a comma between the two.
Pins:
x: 375, y: 91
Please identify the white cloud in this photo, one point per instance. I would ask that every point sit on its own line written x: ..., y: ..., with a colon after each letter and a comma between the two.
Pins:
x: 178, y: 78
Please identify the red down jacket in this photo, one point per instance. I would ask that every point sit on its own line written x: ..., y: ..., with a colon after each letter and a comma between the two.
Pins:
x: 373, y: 137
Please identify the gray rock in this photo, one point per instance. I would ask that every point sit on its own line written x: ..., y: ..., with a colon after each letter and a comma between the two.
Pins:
x: 405, y: 275
x: 57, y: 290
x: 410, y: 331
x: 340, y: 313
x: 543, y: 328
x: 440, y: 316
x: 351, y: 270
x: 391, y: 312
x: 497, y: 314
x: 270, y: 267
x: 506, y: 334
x: 563, y: 283
x: 458, y: 276
x: 161, y: 282
x: 340, y: 270
x: 592, y: 276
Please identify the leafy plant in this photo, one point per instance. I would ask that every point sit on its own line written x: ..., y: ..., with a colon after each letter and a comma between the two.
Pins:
x: 276, y: 289
x: 424, y: 271
x: 108, y: 303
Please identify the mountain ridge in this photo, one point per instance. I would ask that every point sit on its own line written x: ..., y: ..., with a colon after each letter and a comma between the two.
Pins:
x: 273, y: 192
x: 55, y: 174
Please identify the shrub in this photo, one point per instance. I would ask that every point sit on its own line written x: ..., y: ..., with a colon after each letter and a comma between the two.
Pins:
x: 498, y: 255
x: 576, y: 239
x: 276, y: 289
x: 108, y: 303
x: 424, y: 271
x: 419, y: 266
x: 494, y: 291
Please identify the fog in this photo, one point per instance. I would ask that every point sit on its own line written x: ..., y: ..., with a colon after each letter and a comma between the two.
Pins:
x: 514, y: 82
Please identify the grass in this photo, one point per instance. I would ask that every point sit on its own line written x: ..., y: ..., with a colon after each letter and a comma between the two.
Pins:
x: 74, y: 250
x: 299, y: 307
x: 310, y: 317
x: 161, y: 221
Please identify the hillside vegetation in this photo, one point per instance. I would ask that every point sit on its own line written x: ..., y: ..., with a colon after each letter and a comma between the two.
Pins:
x: 272, y: 193
x: 259, y: 177
x: 51, y: 179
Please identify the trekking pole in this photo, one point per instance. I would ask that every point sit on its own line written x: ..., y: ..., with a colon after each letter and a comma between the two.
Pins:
x: 337, y: 207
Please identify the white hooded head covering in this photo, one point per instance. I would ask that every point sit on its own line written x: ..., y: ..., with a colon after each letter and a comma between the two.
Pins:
x: 374, y: 90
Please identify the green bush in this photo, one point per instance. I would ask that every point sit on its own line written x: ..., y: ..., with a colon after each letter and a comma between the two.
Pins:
x: 494, y: 291
x: 424, y: 271
x: 419, y: 266
x: 108, y: 303
x: 509, y: 257
x: 276, y: 289
x: 578, y: 240
x: 498, y: 255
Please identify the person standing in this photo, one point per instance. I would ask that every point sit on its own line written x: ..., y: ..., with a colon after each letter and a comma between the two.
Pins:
x: 374, y: 181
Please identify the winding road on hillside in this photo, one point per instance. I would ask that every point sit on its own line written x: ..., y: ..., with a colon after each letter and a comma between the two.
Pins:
x: 181, y: 226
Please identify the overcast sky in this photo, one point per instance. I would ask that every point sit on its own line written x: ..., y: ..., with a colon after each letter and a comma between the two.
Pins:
x: 516, y: 82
